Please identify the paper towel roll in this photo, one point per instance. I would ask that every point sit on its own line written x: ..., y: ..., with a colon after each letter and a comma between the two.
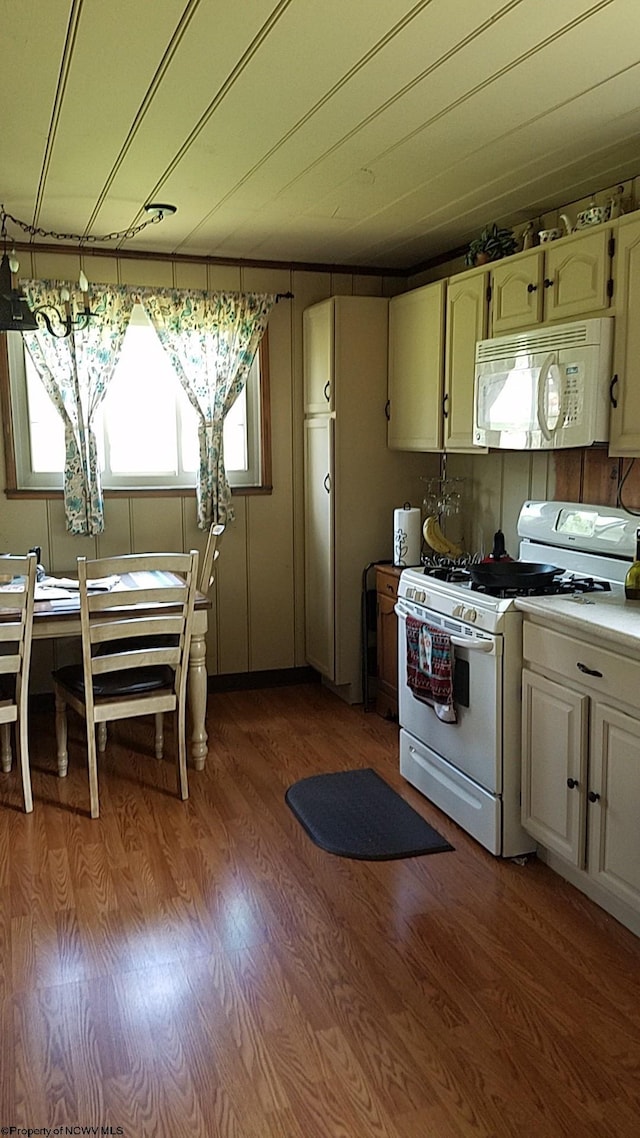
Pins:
x: 407, y: 536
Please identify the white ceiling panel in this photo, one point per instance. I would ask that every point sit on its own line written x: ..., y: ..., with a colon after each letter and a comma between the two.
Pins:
x: 375, y: 132
x: 33, y: 38
x: 456, y: 150
x: 401, y: 130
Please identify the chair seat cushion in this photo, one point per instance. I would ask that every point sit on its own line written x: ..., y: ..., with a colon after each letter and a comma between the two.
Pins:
x: 7, y: 686
x: 131, y: 681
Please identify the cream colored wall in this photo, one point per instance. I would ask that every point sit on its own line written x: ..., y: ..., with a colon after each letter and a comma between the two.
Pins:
x: 257, y: 622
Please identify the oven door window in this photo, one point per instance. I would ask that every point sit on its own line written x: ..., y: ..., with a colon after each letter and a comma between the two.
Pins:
x: 461, y: 682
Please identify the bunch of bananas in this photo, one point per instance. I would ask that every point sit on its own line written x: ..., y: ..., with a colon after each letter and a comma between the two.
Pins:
x: 434, y: 536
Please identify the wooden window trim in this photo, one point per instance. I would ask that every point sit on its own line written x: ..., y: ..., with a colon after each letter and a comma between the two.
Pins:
x: 13, y: 491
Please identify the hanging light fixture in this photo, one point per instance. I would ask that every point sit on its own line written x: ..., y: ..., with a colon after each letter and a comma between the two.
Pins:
x: 15, y: 313
x: 61, y: 325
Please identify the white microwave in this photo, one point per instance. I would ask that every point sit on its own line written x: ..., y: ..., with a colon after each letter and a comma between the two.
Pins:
x: 545, y: 389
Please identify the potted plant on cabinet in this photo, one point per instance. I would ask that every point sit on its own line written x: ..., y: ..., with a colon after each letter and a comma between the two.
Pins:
x: 492, y: 244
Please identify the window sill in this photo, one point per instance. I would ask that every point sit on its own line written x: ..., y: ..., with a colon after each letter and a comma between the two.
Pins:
x: 171, y: 492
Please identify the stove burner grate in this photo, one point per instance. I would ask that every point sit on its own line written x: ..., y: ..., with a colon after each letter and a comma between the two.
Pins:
x: 454, y: 574
x: 456, y: 571
x: 565, y: 586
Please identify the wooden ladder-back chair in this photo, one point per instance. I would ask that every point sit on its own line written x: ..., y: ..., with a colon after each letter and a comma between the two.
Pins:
x: 210, y: 556
x: 134, y: 659
x: 206, y: 577
x: 16, y: 626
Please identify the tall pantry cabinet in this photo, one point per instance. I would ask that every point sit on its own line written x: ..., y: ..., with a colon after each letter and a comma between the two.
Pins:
x: 353, y: 482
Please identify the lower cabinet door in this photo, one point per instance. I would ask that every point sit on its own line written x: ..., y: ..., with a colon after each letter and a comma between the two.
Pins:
x: 613, y: 802
x: 319, y: 544
x: 387, y: 651
x: 554, y: 763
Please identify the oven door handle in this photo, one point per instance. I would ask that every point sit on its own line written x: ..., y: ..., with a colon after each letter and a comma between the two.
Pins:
x: 473, y: 645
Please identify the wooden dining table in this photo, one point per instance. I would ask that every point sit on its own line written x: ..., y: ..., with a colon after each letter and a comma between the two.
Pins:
x: 59, y: 618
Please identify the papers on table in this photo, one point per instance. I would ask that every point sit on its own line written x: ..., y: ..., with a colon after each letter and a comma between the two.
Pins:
x: 101, y: 584
x: 64, y: 588
x: 53, y: 592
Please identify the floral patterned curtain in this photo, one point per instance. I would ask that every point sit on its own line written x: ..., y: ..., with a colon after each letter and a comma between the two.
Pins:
x: 76, y: 371
x: 211, y: 339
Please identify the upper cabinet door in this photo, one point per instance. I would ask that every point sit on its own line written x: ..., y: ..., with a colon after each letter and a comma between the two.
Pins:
x: 517, y: 292
x: 318, y: 349
x: 561, y: 281
x: 466, y: 322
x: 416, y: 369
x: 624, y: 435
x: 576, y: 275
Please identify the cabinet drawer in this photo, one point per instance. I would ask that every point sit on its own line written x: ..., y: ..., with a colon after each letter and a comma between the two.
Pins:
x: 387, y: 578
x: 588, y: 665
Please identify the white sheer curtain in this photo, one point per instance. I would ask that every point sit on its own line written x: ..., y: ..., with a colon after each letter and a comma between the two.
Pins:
x: 76, y: 371
x: 211, y: 339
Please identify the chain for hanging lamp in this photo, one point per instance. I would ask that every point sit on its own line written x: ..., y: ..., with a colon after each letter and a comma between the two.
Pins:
x: 15, y: 314
x: 157, y: 210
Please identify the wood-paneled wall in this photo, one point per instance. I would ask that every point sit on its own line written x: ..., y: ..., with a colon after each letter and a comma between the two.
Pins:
x: 257, y: 621
x: 591, y: 476
x: 495, y: 486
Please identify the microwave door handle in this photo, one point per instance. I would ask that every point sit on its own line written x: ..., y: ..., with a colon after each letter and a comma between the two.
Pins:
x: 543, y: 376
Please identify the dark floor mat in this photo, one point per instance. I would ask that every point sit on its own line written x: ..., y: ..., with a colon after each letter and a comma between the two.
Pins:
x: 357, y: 814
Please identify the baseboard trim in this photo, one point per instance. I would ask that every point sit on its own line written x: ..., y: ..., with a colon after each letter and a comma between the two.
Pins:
x: 271, y: 678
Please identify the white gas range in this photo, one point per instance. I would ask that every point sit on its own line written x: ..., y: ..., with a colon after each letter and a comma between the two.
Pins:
x: 470, y: 768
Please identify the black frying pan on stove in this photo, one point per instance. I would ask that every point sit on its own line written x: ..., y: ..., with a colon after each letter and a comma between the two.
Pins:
x: 513, y: 574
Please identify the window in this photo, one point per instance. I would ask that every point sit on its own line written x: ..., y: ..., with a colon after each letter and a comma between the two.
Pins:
x: 144, y: 388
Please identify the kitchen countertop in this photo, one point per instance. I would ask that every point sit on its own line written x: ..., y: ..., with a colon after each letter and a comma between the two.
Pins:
x: 608, y: 616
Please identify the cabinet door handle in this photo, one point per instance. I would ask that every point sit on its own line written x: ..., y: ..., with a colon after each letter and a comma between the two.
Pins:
x: 532, y: 288
x: 445, y: 400
x: 387, y: 409
x: 612, y: 386
x: 589, y: 671
x: 327, y: 483
x: 572, y: 783
x: 548, y: 283
x: 593, y: 797
x: 327, y: 390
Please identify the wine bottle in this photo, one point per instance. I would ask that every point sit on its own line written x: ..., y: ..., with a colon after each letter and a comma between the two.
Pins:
x: 632, y: 579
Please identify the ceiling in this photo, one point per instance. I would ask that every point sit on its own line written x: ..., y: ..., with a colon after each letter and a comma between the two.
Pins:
x: 374, y: 133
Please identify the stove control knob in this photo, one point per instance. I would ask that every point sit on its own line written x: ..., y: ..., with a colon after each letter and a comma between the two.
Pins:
x: 471, y: 615
x: 458, y: 610
x: 421, y: 596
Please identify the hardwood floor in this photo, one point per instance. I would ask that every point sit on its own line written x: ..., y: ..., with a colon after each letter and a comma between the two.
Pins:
x: 199, y: 969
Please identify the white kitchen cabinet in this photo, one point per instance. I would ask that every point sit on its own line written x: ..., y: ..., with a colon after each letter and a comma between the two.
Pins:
x: 624, y: 435
x: 353, y: 481
x: 319, y: 528
x: 416, y: 369
x: 563, y: 280
x: 614, y: 833
x: 318, y: 366
x: 554, y: 737
x: 581, y: 763
x: 467, y: 320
